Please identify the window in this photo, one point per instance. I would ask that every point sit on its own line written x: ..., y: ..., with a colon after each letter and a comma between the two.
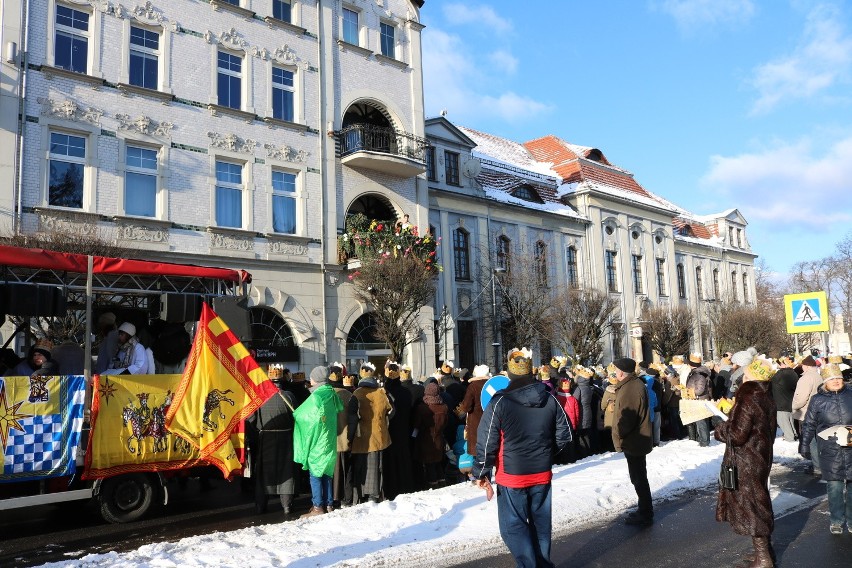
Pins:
x: 140, y: 182
x: 451, y: 167
x: 716, y: 294
x: 617, y: 340
x: 734, y: 286
x: 283, y: 202
x: 230, y: 80
x: 71, y: 46
x: 541, y: 263
x: 730, y: 236
x: 699, y: 285
x: 745, y: 288
x: 431, y: 173
x: 461, y: 253
x: 144, y: 57
x: 527, y: 194
x: 637, y: 274
x: 387, y: 40
x: 661, y: 276
x: 281, y: 10
x: 229, y: 194
x: 740, y: 238
x: 282, y: 94
x: 504, y: 248
x: 350, y: 26
x: 681, y: 282
x: 611, y: 272
x: 573, y: 276
x: 66, y: 170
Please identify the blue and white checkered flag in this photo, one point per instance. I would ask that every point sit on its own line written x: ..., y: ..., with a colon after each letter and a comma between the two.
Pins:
x: 40, y: 423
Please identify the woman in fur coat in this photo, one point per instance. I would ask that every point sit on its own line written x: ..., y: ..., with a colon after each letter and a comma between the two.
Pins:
x: 750, y: 429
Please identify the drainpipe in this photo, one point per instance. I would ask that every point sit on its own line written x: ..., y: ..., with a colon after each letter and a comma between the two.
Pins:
x: 22, y: 120
x: 323, y: 171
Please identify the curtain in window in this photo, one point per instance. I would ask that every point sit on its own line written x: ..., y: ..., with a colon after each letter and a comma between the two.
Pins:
x: 229, y: 209
x: 283, y: 214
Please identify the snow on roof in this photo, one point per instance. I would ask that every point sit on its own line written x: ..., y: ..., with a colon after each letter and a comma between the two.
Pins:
x: 506, y: 151
x: 623, y: 194
x: 549, y: 206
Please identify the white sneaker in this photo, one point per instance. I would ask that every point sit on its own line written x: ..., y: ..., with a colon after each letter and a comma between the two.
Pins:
x: 836, y: 529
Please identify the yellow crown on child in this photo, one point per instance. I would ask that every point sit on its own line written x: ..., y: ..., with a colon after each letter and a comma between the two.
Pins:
x: 760, y: 369
x: 519, y: 361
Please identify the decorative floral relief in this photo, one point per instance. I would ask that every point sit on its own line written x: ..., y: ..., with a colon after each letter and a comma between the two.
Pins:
x: 70, y: 110
x: 230, y: 242
x: 132, y: 232
x: 289, y: 248
x: 285, y: 153
x: 67, y: 223
x: 230, y: 38
x: 144, y: 125
x: 232, y: 142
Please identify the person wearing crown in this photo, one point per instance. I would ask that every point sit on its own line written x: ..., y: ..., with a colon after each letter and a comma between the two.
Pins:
x: 526, y: 427
x: 368, y: 414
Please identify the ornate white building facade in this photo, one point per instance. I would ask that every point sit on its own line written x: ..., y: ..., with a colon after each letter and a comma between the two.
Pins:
x: 587, y: 221
x: 235, y: 133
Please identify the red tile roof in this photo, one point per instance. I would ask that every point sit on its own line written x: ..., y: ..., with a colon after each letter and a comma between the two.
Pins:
x: 691, y: 228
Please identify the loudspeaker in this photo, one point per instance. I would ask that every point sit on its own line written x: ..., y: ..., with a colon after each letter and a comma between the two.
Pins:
x: 176, y: 308
x: 25, y: 299
x: 234, y: 311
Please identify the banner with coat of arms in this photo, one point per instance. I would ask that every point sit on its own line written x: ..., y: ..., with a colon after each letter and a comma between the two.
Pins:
x: 128, y: 428
x: 222, y: 385
x: 40, y: 423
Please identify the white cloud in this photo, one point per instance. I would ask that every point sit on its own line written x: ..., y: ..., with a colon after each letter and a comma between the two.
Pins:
x: 462, y: 82
x: 504, y: 59
x: 481, y: 15
x: 698, y: 14
x: 788, y: 186
x: 822, y: 59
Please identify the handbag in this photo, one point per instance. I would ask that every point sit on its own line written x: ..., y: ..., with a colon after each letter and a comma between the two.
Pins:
x: 728, y: 478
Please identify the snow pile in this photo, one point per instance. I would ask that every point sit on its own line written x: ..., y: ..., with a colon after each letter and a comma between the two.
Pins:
x: 437, y: 527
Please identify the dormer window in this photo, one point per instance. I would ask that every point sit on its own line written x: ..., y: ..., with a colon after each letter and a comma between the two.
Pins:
x: 527, y: 193
x: 595, y: 155
x: 686, y: 231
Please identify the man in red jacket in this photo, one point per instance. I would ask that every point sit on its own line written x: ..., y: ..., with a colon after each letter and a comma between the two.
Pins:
x: 521, y: 431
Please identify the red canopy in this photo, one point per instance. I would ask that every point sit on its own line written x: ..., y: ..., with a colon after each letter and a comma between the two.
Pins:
x: 70, y: 262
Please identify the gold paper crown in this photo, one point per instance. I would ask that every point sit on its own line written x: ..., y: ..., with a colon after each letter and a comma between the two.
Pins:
x: 584, y: 372
x: 831, y: 371
x: 695, y: 358
x: 659, y: 367
x: 520, y: 361
x: 610, y: 370
x: 558, y: 362
x: 760, y: 369
x: 677, y: 360
x: 835, y: 359
x: 446, y: 367
x: 367, y: 370
x: 348, y: 381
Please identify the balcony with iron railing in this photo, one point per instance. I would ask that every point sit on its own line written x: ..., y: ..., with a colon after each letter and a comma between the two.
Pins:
x: 382, y: 149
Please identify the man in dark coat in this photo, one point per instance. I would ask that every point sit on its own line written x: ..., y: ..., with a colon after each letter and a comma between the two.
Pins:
x: 584, y: 393
x: 749, y: 433
x: 832, y: 407
x: 397, y: 458
x: 632, y: 433
x: 522, y: 430
x: 783, y: 388
x: 270, y: 436
x: 700, y: 380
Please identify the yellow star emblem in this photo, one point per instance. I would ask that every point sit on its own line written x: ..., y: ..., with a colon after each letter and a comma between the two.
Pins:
x: 9, y: 417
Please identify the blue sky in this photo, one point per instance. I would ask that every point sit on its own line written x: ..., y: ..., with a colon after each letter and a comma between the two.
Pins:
x: 710, y: 103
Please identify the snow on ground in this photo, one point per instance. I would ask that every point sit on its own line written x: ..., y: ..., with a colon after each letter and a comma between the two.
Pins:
x: 435, y: 528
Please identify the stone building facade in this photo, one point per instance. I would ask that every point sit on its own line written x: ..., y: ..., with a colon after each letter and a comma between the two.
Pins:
x: 235, y: 133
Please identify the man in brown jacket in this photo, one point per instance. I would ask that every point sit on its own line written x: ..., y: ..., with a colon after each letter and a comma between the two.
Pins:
x: 632, y: 434
x: 369, y: 412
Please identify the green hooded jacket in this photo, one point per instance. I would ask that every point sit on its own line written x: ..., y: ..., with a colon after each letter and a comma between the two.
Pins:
x: 315, y: 435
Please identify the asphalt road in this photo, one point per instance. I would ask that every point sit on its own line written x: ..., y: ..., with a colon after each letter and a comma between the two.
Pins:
x: 685, y: 533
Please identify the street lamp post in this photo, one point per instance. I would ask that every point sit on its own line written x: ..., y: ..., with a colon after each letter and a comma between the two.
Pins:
x: 496, y: 318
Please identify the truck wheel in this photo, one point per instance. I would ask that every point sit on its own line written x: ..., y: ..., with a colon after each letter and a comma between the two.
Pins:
x: 126, y: 498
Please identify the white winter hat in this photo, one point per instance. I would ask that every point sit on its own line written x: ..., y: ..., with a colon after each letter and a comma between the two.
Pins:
x: 744, y: 358
x: 481, y: 371
x: 128, y: 328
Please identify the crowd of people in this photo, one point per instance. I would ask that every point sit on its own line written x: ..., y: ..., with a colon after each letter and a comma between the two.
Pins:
x: 384, y: 433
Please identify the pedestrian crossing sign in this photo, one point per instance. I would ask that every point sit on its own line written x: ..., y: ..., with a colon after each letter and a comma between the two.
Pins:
x: 806, y: 313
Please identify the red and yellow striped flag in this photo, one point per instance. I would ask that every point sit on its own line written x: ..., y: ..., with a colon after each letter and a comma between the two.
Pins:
x: 221, y: 386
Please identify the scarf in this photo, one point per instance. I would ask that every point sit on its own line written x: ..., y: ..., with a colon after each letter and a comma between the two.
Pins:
x: 124, y: 356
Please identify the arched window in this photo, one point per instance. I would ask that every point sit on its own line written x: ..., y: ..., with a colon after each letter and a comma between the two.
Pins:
x: 504, y: 249
x: 271, y: 337
x: 541, y: 262
x: 461, y: 254
x: 572, y: 272
x: 527, y: 193
x: 681, y: 282
x: 362, y: 335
